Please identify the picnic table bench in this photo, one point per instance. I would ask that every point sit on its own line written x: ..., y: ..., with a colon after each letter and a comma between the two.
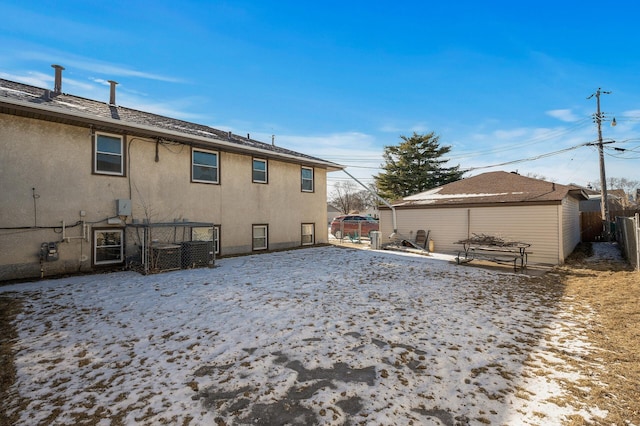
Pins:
x: 494, y: 250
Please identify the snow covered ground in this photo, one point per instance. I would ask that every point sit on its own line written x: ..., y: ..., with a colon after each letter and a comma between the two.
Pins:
x: 324, y: 335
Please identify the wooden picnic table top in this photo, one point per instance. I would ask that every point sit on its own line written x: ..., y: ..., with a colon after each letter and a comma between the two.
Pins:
x: 497, y: 244
x: 515, y: 249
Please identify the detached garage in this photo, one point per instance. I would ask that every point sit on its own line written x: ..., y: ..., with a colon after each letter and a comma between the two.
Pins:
x: 501, y: 204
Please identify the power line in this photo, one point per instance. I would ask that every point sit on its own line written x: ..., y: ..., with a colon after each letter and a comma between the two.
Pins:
x: 537, y: 157
x: 550, y: 135
x: 546, y: 136
x: 522, y: 160
x: 534, y: 158
x: 624, y: 153
x: 531, y: 141
x: 361, y: 167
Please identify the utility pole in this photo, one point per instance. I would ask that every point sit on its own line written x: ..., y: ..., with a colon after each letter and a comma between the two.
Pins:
x: 604, y: 202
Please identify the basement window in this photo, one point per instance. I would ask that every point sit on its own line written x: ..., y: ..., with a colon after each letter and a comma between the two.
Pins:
x: 207, y: 234
x: 308, y: 234
x: 260, y: 237
x: 108, y: 247
x: 108, y: 154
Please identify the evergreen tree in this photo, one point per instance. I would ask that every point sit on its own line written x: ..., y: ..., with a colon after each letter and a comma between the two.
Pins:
x: 414, y: 166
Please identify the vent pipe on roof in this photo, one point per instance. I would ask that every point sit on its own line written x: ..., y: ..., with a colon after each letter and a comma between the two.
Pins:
x: 112, y: 92
x: 248, y: 136
x: 57, y: 84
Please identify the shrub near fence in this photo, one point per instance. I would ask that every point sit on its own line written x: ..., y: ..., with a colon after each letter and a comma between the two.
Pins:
x: 628, y: 236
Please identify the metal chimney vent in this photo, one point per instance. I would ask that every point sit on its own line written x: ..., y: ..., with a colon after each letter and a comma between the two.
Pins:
x: 112, y: 92
x: 57, y: 85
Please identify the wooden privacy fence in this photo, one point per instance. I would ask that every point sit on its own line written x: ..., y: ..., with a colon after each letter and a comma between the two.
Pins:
x: 590, y: 227
x: 591, y: 224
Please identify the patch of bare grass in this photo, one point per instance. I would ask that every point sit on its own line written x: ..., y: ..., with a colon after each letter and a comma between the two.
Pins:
x: 612, y: 292
x: 615, y: 297
x: 9, y: 308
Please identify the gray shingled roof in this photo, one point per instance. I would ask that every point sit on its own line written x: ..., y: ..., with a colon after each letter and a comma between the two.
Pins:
x: 25, y: 100
x: 492, y: 188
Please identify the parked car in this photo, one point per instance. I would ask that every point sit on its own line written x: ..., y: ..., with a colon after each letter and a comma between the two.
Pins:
x: 353, y: 225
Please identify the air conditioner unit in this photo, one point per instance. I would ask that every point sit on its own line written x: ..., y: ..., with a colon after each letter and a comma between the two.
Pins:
x: 196, y: 254
x: 165, y: 257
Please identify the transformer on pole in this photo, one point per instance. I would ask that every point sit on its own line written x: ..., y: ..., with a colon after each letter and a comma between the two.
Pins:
x: 604, y: 201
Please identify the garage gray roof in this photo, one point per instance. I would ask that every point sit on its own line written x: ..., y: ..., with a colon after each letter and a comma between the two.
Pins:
x: 492, y: 188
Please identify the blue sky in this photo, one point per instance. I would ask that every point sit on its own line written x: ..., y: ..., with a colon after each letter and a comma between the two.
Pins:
x: 497, y: 81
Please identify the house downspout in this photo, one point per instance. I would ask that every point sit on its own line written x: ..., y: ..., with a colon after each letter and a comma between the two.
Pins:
x: 385, y: 202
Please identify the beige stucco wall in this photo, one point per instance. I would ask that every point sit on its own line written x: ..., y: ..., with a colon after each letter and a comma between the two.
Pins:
x: 54, y: 162
x: 536, y: 225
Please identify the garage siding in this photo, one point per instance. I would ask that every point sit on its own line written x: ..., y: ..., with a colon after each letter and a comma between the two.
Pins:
x: 444, y: 224
x: 537, y: 225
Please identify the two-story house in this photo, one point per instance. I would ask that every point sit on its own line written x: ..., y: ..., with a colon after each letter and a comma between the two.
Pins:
x: 81, y: 179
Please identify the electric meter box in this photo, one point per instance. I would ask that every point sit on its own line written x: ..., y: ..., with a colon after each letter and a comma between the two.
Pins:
x: 123, y: 207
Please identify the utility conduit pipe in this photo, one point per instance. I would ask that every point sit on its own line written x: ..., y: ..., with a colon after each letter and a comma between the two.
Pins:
x: 385, y: 202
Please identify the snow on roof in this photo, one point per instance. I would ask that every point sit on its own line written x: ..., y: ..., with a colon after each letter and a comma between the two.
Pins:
x: 492, y: 187
x: 19, y: 98
x: 435, y: 196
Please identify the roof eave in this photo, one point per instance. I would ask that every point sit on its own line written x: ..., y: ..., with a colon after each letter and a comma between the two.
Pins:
x: 579, y: 193
x: 440, y: 204
x: 79, y: 118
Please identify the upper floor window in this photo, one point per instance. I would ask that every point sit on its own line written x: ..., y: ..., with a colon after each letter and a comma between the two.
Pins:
x: 259, y: 171
x: 204, y: 166
x: 307, y: 179
x: 109, y: 154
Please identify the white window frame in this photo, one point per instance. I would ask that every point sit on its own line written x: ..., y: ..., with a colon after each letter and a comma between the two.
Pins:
x: 216, y: 167
x: 305, y: 227
x: 303, y: 179
x: 254, y: 170
x: 96, y: 232
x: 216, y: 236
x: 264, y: 246
x: 97, y: 153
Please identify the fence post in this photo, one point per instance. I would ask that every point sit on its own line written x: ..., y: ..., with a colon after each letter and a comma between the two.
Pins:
x: 636, y: 225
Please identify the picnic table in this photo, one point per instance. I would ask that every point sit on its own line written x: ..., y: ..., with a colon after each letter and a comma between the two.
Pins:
x: 495, y: 250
